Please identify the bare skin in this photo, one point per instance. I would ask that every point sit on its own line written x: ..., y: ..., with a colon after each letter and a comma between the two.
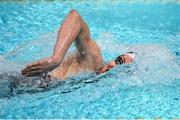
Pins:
x: 88, y: 57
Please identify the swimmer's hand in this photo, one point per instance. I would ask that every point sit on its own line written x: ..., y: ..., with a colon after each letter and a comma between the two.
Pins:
x: 39, y: 67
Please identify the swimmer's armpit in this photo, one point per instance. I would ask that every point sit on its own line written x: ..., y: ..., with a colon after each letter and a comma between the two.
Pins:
x: 39, y: 67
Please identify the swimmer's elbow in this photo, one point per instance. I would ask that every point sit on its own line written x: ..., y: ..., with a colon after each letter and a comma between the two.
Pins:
x: 74, y: 13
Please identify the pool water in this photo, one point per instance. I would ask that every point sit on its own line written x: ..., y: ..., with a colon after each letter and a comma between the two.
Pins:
x: 148, y: 88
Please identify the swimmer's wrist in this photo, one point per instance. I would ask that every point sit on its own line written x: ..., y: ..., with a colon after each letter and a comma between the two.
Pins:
x: 55, y: 60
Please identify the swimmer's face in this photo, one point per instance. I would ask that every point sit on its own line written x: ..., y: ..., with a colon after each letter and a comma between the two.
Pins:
x: 122, y: 59
x: 127, y: 59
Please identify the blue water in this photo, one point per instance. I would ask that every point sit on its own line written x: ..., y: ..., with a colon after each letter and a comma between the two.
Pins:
x: 148, y: 88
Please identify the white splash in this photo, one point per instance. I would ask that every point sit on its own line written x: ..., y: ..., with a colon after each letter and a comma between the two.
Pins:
x: 154, y: 63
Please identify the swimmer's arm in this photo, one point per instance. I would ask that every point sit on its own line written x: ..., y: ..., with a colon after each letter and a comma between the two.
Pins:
x: 107, y: 67
x: 71, y: 29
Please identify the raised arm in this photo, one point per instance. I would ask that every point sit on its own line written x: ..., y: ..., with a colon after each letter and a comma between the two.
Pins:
x: 72, y: 29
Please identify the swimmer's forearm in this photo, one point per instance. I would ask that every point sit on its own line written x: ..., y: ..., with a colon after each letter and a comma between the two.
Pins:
x: 107, y: 67
x: 67, y: 33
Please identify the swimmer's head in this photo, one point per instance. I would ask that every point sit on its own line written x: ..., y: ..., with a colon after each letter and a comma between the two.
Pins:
x: 121, y: 59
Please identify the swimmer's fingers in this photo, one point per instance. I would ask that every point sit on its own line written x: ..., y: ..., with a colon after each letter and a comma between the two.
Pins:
x: 26, y: 70
x: 37, y: 68
x: 30, y: 67
x: 33, y: 73
x: 34, y: 64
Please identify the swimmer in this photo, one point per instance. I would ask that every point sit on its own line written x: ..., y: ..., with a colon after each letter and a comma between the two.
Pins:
x: 88, y: 56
